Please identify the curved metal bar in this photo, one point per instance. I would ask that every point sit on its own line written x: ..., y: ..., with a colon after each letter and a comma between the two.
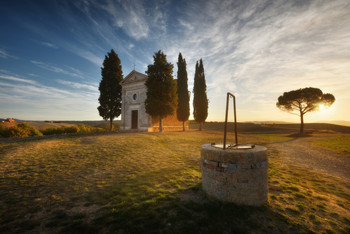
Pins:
x: 235, y: 118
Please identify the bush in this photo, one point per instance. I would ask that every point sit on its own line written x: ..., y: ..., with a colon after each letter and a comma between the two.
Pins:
x: 60, y: 130
x: 21, y: 130
x: 73, y: 129
x: 87, y: 129
x: 3, y: 131
x: 115, y: 127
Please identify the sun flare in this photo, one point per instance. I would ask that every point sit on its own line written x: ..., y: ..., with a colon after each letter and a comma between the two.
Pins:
x: 323, y: 109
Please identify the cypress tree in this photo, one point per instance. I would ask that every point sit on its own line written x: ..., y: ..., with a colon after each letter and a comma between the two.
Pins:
x: 110, y: 90
x: 161, y: 88
x: 200, y: 100
x: 183, y: 107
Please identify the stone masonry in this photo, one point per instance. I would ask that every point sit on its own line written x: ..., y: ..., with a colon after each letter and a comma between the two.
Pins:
x: 238, y: 176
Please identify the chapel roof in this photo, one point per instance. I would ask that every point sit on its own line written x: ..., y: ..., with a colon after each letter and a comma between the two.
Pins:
x: 133, y: 77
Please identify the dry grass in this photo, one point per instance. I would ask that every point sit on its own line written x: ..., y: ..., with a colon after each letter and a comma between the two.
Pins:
x: 150, y: 182
x: 45, y: 125
x: 339, y: 144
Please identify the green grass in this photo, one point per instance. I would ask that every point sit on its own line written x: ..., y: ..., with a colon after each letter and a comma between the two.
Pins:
x: 151, y: 182
x: 339, y: 144
x: 265, y: 138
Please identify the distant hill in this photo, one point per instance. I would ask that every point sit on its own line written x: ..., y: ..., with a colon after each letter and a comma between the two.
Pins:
x: 338, y: 122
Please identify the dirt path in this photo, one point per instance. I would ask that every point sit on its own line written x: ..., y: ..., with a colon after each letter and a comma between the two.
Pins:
x: 299, y: 151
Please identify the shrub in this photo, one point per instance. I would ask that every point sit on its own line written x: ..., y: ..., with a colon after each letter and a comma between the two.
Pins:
x: 81, y: 128
x: 87, y: 129
x: 73, y: 129
x: 21, y: 130
x: 115, y: 127
x: 60, y: 130
x: 3, y: 131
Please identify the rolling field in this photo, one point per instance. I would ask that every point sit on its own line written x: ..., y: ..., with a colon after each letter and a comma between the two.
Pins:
x: 151, y: 182
x: 45, y: 125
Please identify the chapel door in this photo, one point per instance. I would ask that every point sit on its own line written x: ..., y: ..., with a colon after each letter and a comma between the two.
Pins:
x: 134, y: 119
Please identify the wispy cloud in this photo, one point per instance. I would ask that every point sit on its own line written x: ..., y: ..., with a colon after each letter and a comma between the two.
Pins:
x: 13, y: 78
x: 48, y: 44
x: 74, y: 72
x: 256, y: 49
x: 112, y: 22
x: 79, y: 85
x: 264, y: 47
x: 4, y: 54
x: 47, y: 101
x: 86, y: 54
x: 134, y: 19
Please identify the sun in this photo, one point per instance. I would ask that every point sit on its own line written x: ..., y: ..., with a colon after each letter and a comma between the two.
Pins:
x: 322, y: 108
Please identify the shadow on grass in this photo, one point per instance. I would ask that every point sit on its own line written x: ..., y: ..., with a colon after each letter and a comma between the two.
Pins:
x: 167, y: 200
x: 141, y: 205
x: 153, y: 202
x: 301, y: 135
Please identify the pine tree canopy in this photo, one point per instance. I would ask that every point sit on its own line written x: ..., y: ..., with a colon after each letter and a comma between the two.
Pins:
x: 110, y: 89
x: 303, y: 101
x: 161, y: 91
x: 200, y: 100
x: 183, y: 107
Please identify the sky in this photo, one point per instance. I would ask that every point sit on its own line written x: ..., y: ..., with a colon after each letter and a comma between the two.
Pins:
x: 51, y: 52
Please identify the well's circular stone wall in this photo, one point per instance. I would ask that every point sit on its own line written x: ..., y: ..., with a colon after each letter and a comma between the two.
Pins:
x: 235, y: 175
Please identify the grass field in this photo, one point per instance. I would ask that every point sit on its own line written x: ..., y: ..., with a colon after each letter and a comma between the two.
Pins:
x: 339, y: 144
x: 151, y: 182
x: 45, y: 125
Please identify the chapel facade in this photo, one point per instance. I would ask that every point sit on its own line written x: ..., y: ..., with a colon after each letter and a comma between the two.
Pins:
x: 134, y: 116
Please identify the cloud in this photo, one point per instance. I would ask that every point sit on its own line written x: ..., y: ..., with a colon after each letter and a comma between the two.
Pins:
x: 4, y: 54
x: 86, y: 54
x: 264, y: 47
x: 135, y: 18
x: 110, y: 25
x: 20, y: 99
x: 187, y: 25
x: 53, y: 68
x: 79, y: 85
x: 48, y: 44
x: 255, y: 49
x: 13, y: 78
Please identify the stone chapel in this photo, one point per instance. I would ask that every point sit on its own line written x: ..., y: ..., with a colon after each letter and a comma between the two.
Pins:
x: 134, y: 116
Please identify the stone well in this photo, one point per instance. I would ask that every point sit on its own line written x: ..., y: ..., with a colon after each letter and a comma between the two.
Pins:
x: 235, y: 175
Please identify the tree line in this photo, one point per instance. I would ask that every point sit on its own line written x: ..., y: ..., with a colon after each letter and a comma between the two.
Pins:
x: 165, y: 95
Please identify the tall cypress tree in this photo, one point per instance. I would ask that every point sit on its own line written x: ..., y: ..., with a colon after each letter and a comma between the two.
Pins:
x: 200, y: 100
x: 161, y: 89
x: 110, y: 90
x: 183, y: 97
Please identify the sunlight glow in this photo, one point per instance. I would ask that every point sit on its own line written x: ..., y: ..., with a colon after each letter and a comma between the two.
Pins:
x: 324, y: 110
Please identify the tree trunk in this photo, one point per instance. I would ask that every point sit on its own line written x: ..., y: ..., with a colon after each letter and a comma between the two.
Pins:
x: 160, y: 125
x: 110, y: 124
x: 200, y: 126
x: 301, y: 123
x: 183, y: 126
